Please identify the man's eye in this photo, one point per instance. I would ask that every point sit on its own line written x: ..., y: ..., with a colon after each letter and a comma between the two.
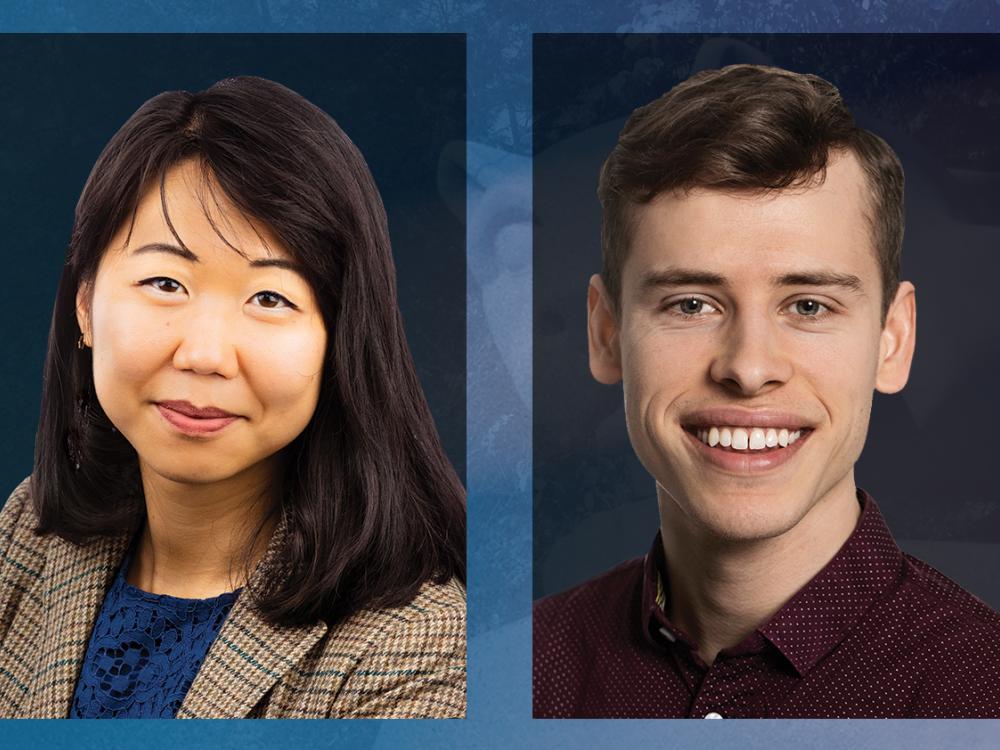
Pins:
x: 162, y: 284
x: 272, y: 301
x: 809, y: 308
x: 693, y: 306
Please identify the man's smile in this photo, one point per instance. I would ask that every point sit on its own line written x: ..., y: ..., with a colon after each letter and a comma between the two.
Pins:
x: 742, y: 449
x: 753, y: 438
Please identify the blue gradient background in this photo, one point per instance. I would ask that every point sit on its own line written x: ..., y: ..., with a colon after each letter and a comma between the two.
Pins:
x: 499, y: 358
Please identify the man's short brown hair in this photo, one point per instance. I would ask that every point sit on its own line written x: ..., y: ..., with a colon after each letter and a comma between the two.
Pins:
x: 745, y: 128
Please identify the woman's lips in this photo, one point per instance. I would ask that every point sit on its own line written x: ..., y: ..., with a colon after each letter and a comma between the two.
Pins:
x: 194, y: 421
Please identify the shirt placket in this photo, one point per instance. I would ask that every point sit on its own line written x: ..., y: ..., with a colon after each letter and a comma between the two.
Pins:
x: 714, y: 698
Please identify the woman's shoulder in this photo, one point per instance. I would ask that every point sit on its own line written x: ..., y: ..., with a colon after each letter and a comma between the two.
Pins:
x: 22, y: 551
x: 18, y: 500
x: 437, y: 611
x: 403, y: 662
x: 437, y: 607
x: 438, y: 600
x: 23, y: 556
x: 18, y: 521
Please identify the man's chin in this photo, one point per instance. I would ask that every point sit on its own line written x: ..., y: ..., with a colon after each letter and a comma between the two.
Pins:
x: 743, y: 518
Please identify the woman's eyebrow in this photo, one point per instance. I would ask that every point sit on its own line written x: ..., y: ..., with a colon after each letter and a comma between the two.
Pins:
x: 183, y: 252
x: 276, y: 263
x: 163, y: 247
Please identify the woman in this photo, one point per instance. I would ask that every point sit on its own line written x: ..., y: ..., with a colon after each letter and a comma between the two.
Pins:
x: 239, y: 504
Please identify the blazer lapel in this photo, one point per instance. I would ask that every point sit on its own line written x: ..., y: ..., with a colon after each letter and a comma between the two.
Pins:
x: 77, y: 578
x: 250, y: 655
x: 247, y: 659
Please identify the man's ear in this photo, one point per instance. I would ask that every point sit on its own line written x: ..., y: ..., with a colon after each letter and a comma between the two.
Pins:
x: 84, y: 297
x: 899, y: 336
x: 602, y: 334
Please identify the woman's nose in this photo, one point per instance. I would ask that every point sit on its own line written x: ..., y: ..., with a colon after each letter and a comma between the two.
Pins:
x: 207, y: 344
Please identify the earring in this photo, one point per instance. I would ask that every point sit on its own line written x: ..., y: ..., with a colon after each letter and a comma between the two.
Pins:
x: 73, y: 438
x: 79, y: 343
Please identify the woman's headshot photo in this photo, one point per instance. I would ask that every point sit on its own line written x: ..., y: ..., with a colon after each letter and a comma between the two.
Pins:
x: 239, y: 503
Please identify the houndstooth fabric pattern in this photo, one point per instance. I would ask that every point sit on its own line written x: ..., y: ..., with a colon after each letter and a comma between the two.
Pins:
x: 407, y: 662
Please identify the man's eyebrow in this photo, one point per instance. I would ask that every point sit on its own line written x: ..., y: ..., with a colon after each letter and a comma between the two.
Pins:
x: 163, y: 247
x: 820, y: 278
x: 681, y: 277
x: 694, y: 277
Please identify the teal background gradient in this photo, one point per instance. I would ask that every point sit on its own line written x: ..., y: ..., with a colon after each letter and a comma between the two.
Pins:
x: 497, y: 176
x: 64, y: 95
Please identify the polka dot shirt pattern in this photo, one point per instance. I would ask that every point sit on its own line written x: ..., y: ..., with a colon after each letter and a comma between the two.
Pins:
x: 876, y: 633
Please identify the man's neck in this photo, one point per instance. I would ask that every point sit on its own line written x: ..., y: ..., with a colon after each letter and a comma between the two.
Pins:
x: 723, y: 590
x: 200, y: 539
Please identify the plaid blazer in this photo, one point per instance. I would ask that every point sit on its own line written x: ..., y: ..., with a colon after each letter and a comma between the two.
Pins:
x: 407, y: 662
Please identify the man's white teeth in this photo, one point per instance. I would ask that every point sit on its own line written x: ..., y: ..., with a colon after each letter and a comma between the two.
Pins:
x: 740, y: 440
x: 753, y: 438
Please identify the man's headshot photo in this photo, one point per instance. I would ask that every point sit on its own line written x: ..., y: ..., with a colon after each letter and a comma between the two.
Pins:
x: 749, y: 303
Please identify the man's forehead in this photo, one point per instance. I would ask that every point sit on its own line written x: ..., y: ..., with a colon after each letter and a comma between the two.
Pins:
x: 817, y: 228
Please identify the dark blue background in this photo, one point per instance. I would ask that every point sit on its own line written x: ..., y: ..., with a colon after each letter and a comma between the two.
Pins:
x: 930, y: 458
x: 400, y: 98
x: 499, y: 361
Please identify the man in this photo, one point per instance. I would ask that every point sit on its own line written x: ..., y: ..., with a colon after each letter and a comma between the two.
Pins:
x: 750, y: 302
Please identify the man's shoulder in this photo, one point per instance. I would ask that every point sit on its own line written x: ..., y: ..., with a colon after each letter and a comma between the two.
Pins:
x: 598, y: 603
x: 586, y: 639
x: 945, y: 601
x: 942, y: 645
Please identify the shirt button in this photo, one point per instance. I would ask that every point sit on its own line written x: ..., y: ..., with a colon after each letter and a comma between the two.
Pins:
x: 713, y: 715
x: 668, y: 635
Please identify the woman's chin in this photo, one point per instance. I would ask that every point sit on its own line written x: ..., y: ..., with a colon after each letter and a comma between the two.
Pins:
x: 205, y: 472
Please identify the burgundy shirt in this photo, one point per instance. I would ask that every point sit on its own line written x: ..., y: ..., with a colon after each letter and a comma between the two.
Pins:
x: 876, y: 633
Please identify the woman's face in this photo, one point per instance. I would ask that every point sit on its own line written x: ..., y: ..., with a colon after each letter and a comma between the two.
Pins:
x: 208, y: 362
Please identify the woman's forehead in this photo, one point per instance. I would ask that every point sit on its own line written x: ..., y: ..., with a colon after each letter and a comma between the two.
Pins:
x: 187, y: 207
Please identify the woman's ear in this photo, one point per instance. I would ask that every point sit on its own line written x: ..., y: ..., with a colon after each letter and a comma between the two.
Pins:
x: 84, y: 298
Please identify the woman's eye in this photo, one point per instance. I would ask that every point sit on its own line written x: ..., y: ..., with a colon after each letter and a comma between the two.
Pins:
x: 272, y: 301
x: 163, y: 284
x: 809, y: 308
x: 693, y: 306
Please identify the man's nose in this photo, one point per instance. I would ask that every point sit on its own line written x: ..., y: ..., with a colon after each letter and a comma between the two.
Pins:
x: 207, y: 342
x: 752, y: 358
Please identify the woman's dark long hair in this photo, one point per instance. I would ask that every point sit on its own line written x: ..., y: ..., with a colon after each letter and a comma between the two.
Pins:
x: 372, y: 506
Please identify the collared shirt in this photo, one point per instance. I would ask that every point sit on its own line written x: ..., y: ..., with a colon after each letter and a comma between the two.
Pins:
x: 876, y: 633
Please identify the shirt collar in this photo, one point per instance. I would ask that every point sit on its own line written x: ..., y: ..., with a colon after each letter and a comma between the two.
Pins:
x: 821, y: 614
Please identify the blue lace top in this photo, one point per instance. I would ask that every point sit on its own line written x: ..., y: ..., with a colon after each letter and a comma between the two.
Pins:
x: 145, y: 651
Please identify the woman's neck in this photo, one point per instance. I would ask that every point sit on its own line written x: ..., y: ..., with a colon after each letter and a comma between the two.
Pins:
x: 200, y: 540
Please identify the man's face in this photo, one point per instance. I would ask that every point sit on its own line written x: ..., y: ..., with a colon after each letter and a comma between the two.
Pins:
x: 749, y: 340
